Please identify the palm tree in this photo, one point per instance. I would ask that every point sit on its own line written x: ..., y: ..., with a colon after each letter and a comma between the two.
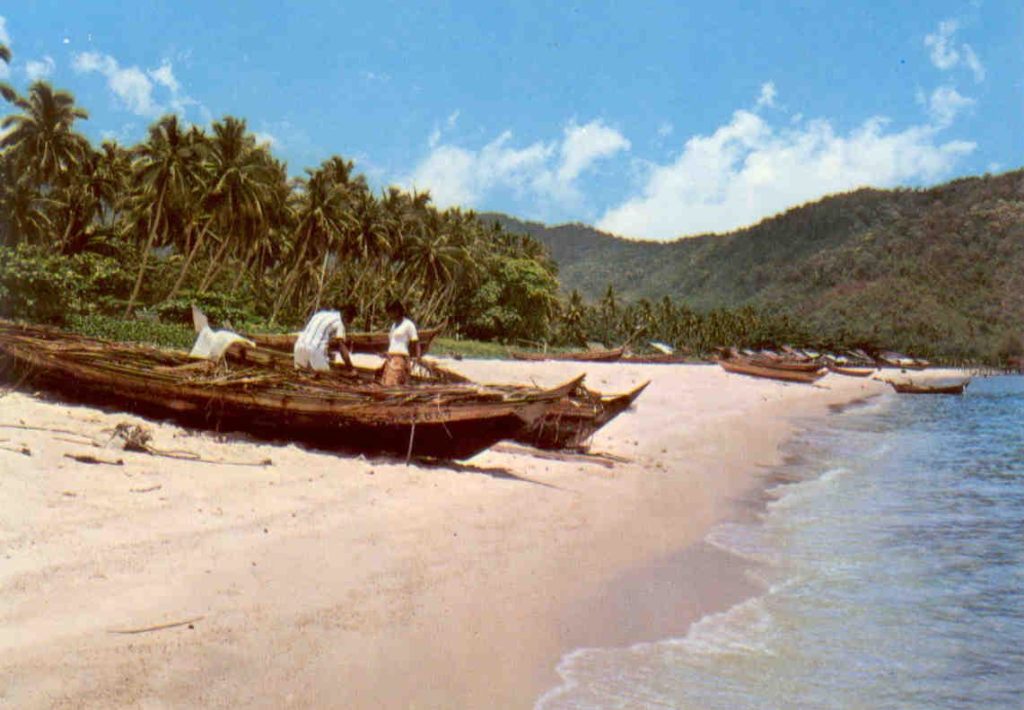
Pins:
x: 164, y: 167
x: 240, y: 186
x: 5, y: 89
x: 41, y: 139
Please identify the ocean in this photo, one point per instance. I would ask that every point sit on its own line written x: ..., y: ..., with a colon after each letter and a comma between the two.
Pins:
x: 890, y: 551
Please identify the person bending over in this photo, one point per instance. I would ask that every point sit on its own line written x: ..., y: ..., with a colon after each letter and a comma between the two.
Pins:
x: 311, y: 347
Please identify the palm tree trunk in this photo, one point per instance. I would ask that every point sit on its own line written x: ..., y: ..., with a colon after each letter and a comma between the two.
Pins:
x: 188, y: 260
x: 215, y: 266
x: 145, y: 252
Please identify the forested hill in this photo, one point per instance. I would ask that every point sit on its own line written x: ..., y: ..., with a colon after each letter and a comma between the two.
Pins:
x: 944, y: 264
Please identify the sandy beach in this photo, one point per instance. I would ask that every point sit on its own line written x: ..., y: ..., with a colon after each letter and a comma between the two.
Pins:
x: 286, y: 576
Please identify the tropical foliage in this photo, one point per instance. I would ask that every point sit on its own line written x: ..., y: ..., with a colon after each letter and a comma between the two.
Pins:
x: 212, y: 217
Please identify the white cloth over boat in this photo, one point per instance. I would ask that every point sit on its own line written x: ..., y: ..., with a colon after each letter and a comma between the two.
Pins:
x: 212, y: 344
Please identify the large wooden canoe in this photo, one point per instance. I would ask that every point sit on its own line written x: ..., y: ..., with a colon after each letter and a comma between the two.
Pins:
x: 570, y: 423
x: 580, y: 356
x: 747, y: 367
x: 357, y: 342
x: 912, y: 388
x: 436, y: 421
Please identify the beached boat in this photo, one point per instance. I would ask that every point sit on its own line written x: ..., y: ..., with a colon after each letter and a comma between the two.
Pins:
x: 575, y: 418
x: 745, y: 366
x: 904, y: 362
x: 568, y: 424
x: 357, y: 342
x: 850, y: 371
x: 656, y: 359
x: 438, y: 421
x: 580, y: 356
x: 938, y: 388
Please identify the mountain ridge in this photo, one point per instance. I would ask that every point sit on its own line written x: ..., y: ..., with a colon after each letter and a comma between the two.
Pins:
x: 945, y: 263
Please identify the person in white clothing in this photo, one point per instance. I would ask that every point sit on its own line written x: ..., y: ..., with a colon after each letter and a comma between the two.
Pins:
x: 404, y: 342
x: 311, y: 347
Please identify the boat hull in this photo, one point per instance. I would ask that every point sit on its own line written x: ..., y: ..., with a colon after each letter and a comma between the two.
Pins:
x: 582, y: 356
x: 750, y: 369
x: 442, y: 422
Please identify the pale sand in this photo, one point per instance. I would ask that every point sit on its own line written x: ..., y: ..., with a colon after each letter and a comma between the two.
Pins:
x: 331, y: 581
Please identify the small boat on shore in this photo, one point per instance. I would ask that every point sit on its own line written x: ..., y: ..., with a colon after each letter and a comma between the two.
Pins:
x: 938, y: 388
x: 746, y: 366
x: 579, y: 356
x: 357, y: 342
x: 850, y: 371
x: 444, y: 421
x: 904, y: 362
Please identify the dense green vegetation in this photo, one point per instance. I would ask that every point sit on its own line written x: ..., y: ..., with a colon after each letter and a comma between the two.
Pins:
x: 211, y: 217
x: 937, y: 272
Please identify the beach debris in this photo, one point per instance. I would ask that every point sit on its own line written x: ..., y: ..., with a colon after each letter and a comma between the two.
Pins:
x: 23, y: 450
x: 147, y: 490
x: 87, y: 458
x: 137, y: 438
x: 158, y: 627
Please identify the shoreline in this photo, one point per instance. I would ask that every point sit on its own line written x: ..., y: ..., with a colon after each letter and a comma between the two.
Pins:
x: 327, y: 580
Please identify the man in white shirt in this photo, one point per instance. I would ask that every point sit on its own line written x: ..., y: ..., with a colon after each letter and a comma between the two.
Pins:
x: 404, y: 342
x: 311, y: 345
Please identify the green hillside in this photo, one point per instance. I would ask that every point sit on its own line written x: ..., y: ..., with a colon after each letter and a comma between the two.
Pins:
x: 938, y: 270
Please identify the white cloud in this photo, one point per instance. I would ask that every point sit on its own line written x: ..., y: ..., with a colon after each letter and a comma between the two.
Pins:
x: 583, y: 145
x: 767, y: 97
x: 973, y: 63
x: 40, y: 69
x: 946, y: 55
x: 943, y: 54
x: 748, y: 169
x: 945, y: 104
x: 135, y: 88
x: 665, y: 129
x: 546, y: 170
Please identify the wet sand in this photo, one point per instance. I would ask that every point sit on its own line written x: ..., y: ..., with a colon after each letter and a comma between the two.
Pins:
x: 321, y: 580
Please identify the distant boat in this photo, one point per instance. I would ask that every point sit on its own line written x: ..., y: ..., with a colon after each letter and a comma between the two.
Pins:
x: 581, y: 356
x: 743, y: 366
x: 357, y: 342
x: 912, y: 388
x: 904, y: 362
x: 850, y: 371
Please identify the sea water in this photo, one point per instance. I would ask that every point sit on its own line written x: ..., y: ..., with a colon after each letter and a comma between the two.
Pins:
x: 891, y: 558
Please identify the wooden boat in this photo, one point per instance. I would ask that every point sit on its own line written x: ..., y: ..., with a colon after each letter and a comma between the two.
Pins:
x: 574, y: 419
x: 436, y: 421
x: 569, y: 423
x: 357, y: 342
x: 904, y: 362
x: 912, y: 388
x: 745, y: 366
x: 581, y: 356
x: 656, y: 359
x: 850, y: 371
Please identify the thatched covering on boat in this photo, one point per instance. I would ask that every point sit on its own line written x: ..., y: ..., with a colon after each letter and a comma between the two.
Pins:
x: 357, y: 342
x: 581, y: 356
x: 449, y: 421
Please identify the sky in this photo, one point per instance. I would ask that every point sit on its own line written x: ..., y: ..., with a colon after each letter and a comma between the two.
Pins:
x: 651, y: 120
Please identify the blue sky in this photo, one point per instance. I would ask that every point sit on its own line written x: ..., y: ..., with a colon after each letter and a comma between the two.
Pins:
x: 647, y: 119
